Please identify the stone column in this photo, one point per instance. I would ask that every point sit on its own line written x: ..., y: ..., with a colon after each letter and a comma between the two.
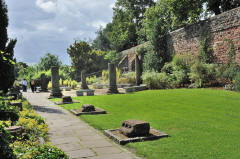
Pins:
x: 138, y: 71
x: 83, y: 79
x: 43, y: 82
x: 112, y: 79
x: 56, y: 92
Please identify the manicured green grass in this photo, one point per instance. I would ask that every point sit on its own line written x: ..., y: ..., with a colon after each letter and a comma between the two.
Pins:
x: 202, y: 123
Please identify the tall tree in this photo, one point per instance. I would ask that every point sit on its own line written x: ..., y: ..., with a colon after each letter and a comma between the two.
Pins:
x: 48, y: 61
x: 135, y: 8
x: 85, y: 58
x: 7, y: 51
x: 101, y: 42
x: 122, y: 32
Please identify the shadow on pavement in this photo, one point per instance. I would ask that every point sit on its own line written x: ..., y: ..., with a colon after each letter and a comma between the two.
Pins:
x: 47, y: 110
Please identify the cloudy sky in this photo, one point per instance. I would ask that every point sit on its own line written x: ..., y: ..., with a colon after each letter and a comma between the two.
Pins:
x: 42, y: 26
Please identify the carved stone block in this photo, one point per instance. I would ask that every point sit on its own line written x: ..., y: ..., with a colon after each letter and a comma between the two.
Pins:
x: 88, y: 108
x: 135, y: 128
x: 67, y: 99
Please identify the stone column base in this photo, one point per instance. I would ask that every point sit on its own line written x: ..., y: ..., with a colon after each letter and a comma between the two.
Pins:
x: 55, y: 95
x: 112, y: 90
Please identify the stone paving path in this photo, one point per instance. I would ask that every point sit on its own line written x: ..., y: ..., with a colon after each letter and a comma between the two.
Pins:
x: 74, y: 136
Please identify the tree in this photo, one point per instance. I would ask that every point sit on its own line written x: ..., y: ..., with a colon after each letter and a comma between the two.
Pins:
x: 122, y: 32
x: 18, y: 68
x: 135, y: 8
x: 7, y: 51
x: 85, y: 58
x: 112, y: 56
x: 47, y: 61
x: 101, y: 42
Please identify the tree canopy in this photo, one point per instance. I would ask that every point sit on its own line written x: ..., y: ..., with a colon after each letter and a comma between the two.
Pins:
x: 47, y: 61
x: 85, y: 58
x: 7, y: 51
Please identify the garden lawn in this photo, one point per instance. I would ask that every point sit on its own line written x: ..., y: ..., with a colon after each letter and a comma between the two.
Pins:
x: 201, y: 123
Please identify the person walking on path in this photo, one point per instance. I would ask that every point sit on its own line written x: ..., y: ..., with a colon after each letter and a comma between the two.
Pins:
x: 24, y: 85
x: 32, y: 85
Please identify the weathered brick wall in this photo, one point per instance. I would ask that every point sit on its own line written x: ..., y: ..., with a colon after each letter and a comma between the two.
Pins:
x: 220, y: 28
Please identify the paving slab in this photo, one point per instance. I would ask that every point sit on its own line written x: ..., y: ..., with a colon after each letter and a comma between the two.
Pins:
x: 75, y: 137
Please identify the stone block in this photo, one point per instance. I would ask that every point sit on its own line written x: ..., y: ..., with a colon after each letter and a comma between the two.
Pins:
x: 135, y: 128
x: 129, y: 89
x: 90, y: 93
x: 79, y: 93
x: 67, y: 99
x: 88, y: 108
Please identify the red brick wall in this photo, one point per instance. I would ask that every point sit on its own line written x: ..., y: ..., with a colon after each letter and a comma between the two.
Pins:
x: 220, y: 28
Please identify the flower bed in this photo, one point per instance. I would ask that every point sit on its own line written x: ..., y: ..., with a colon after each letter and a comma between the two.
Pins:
x: 32, y: 143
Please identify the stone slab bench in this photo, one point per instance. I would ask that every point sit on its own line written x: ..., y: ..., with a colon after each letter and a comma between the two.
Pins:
x: 90, y: 92
x: 135, y: 88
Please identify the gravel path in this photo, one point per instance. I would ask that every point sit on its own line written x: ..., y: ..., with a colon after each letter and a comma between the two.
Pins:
x: 74, y: 136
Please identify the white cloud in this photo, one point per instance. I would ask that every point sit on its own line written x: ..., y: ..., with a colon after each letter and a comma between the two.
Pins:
x: 52, y: 25
x: 98, y: 23
x: 49, y: 6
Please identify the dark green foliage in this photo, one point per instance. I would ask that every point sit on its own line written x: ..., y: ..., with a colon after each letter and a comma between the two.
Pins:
x: 85, y: 58
x: 151, y: 61
x: 237, y: 82
x: 155, y: 80
x: 101, y: 42
x: 202, y: 74
x: 159, y: 43
x: 205, y: 54
x: 5, y: 151
x: 121, y: 33
x: 230, y: 70
x: 7, y: 52
x: 3, y: 25
x: 135, y: 8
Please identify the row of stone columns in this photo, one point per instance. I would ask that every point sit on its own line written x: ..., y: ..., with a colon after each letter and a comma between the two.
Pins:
x: 56, y: 92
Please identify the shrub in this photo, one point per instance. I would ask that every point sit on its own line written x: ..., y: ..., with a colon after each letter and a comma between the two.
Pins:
x: 91, y: 80
x: 177, y: 71
x: 237, y: 82
x: 183, y: 62
x: 130, y: 77
x: 105, y: 75
x: 178, y: 78
x: 74, y: 84
x: 60, y: 82
x: 231, y: 71
x: 49, y: 152
x: 155, y: 80
x: 49, y: 85
x: 65, y: 83
x: 33, y: 124
x: 151, y: 61
x: 202, y: 74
